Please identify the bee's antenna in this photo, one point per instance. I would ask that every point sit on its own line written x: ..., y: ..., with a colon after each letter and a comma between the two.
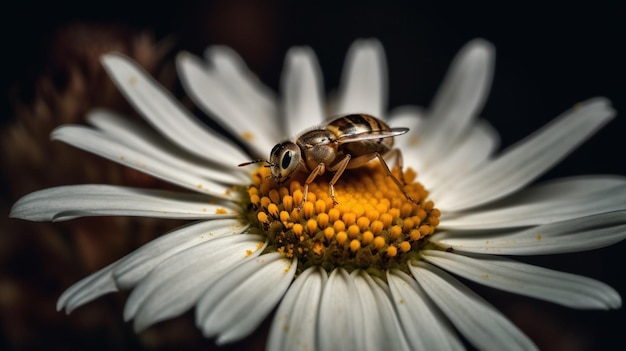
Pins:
x: 251, y: 162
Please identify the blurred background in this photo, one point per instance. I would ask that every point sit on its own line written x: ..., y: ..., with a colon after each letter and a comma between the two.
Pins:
x: 548, y: 58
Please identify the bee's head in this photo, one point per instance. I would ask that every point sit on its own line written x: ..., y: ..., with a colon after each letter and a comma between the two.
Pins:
x: 284, y: 161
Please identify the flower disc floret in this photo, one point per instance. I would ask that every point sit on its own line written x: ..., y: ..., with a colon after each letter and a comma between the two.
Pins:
x: 373, y: 226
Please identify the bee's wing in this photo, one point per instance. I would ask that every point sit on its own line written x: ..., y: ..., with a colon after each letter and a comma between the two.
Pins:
x: 379, y: 134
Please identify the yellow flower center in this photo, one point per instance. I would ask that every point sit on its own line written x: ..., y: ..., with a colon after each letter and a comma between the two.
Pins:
x: 373, y: 226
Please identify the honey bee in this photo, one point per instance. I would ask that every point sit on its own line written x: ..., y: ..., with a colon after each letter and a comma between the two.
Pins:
x: 346, y: 142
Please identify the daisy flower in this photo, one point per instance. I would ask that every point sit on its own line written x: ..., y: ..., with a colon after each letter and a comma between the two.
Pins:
x: 373, y: 270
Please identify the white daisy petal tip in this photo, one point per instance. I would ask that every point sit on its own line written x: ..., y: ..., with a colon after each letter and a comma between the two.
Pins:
x: 187, y: 62
x: 298, y: 58
x: 598, y: 105
x: 367, y: 46
x: 476, y: 56
x: 184, y: 55
x: 616, y: 299
x: 216, y: 51
x: 88, y: 289
x: 223, y: 55
x: 112, y: 60
x: 297, y: 53
x: 62, y: 304
x: 612, y: 298
x: 302, y: 83
x: 363, y: 86
x: 482, y: 54
x: 482, y: 47
x: 183, y: 59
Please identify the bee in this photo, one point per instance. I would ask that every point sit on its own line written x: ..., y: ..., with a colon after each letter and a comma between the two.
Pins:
x: 346, y: 142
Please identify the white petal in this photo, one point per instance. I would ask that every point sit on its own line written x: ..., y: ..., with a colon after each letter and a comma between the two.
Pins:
x: 302, y: 88
x: 295, y: 323
x: 67, y: 202
x: 233, y: 70
x: 477, y: 320
x: 239, y: 301
x: 108, y: 147
x: 553, y: 201
x: 147, y: 141
x: 364, y: 81
x: 141, y: 262
x: 228, y: 105
x: 424, y: 325
x: 579, y: 234
x: 88, y: 289
x: 340, y: 321
x: 459, y: 99
x: 166, y: 114
x: 501, y: 273
x: 177, y: 283
x: 471, y: 151
x: 137, y: 264
x: 525, y: 161
x: 382, y: 327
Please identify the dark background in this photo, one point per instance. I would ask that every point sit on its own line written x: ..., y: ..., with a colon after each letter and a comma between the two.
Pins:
x: 548, y: 57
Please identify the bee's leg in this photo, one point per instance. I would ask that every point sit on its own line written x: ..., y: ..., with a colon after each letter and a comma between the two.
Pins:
x: 398, y: 164
x: 395, y: 180
x: 338, y: 168
x: 319, y: 170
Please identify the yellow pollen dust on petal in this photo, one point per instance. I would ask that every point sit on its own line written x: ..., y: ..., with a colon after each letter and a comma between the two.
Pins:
x: 373, y: 224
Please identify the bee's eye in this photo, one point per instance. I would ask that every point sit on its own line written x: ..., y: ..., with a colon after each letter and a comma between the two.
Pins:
x: 286, y: 161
